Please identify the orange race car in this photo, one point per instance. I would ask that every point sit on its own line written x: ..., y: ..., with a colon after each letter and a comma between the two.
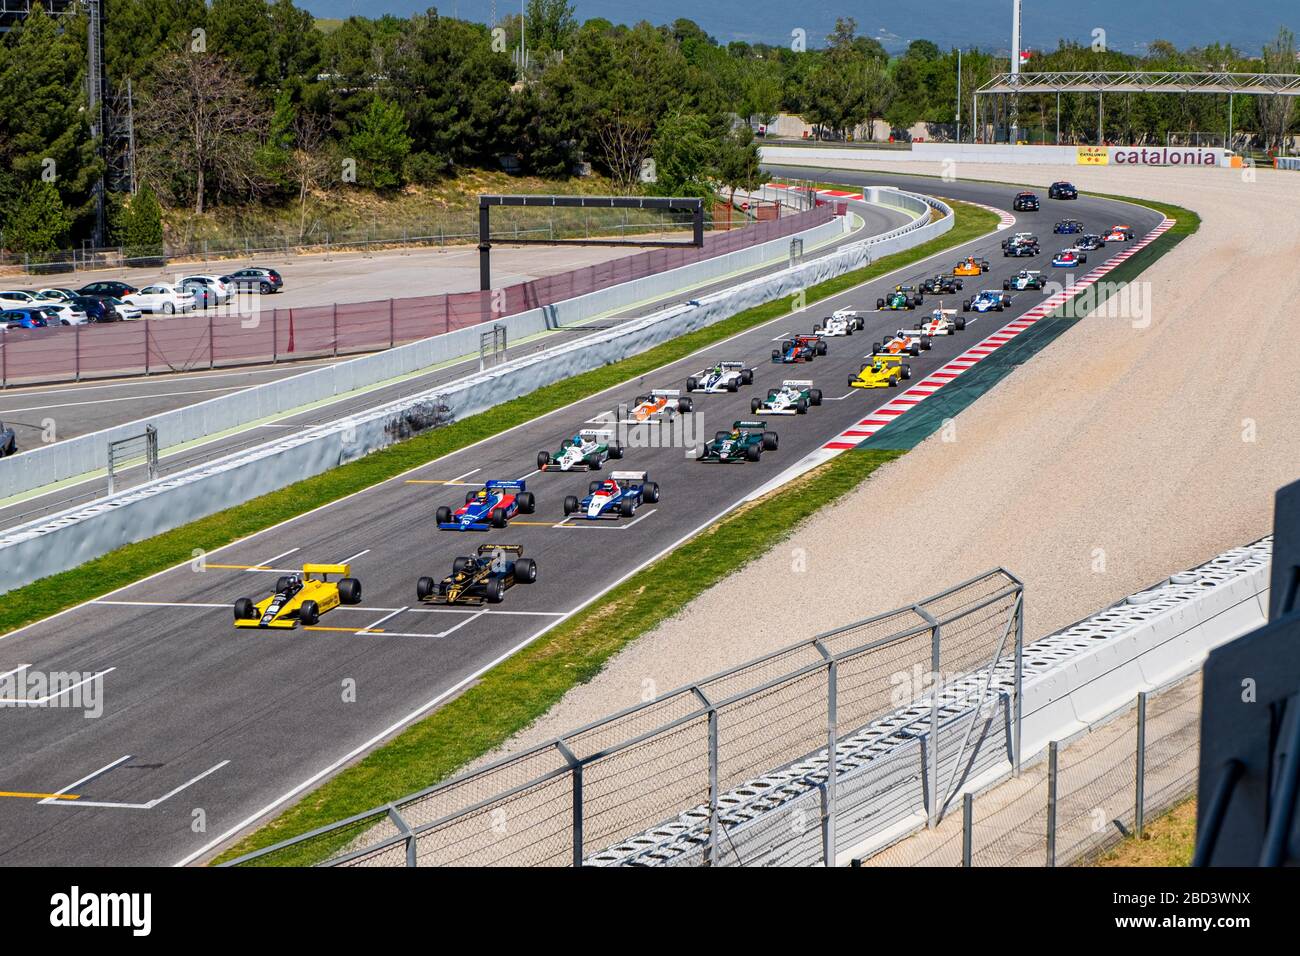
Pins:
x: 970, y: 266
x: 659, y: 404
x: 901, y: 344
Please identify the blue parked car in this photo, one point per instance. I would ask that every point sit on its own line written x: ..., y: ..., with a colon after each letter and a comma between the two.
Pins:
x: 23, y: 319
x: 619, y: 494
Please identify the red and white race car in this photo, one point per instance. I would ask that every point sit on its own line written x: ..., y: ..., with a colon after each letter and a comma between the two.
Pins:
x: 660, y: 404
x: 1118, y: 233
x: 941, y: 322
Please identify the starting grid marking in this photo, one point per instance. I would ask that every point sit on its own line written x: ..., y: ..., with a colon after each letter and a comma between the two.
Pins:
x: 868, y: 426
x: 65, y: 798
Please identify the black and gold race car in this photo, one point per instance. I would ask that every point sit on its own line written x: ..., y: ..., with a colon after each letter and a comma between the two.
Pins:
x: 480, y: 578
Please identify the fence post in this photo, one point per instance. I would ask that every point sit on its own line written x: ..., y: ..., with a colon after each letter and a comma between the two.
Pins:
x: 1051, y: 803
x: 575, y: 768
x: 76, y: 350
x: 713, y: 787
x: 275, y: 334
x: 967, y: 819
x: 212, y: 346
x: 392, y: 327
x: 1020, y: 675
x: 1139, y: 796
x: 396, y: 820
x: 336, y: 329
x: 146, y: 345
x: 829, y: 841
x: 932, y: 811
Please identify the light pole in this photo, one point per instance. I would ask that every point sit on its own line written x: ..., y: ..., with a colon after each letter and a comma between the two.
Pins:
x: 1014, y: 133
x: 959, y: 94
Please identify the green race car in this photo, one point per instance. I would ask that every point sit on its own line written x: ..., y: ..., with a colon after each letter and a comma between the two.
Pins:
x: 745, y: 442
x: 903, y: 297
x: 588, y: 450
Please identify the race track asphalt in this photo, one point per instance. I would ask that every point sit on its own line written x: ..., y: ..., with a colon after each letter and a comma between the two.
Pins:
x: 86, y: 407
x: 205, y: 723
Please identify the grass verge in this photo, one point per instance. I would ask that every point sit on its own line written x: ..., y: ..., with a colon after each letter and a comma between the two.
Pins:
x: 1166, y: 841
x: 516, y: 692
x: 118, y: 568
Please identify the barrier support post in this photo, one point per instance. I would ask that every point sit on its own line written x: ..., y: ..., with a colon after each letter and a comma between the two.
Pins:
x: 1139, y: 790
x: 1051, y: 803
x: 967, y: 821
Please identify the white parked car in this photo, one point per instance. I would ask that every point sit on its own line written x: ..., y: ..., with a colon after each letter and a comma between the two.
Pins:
x: 206, y: 289
x: 126, y: 310
x: 161, y: 297
x: 66, y: 313
x: 17, y: 298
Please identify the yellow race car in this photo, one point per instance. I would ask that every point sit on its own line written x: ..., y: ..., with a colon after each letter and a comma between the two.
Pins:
x: 300, y: 600
x: 884, y: 371
x: 970, y: 266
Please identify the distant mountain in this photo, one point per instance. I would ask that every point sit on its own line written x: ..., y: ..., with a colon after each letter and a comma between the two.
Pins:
x: 1129, y: 24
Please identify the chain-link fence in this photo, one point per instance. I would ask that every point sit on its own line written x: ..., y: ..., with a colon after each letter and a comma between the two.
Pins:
x: 1085, y: 796
x: 790, y: 758
x: 251, y: 333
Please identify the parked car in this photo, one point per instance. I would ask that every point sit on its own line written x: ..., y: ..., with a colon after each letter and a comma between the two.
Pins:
x: 125, y: 310
x: 22, y: 319
x: 56, y: 295
x: 254, y: 279
x: 117, y: 290
x: 97, y: 310
x: 208, y: 290
x: 16, y: 298
x: 161, y: 297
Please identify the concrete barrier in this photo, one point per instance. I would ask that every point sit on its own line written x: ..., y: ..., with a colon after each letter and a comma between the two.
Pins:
x: 1195, y: 156
x: 71, y: 537
x: 87, y: 455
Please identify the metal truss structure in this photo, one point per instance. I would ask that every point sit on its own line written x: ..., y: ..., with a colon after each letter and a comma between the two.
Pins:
x: 1143, y: 81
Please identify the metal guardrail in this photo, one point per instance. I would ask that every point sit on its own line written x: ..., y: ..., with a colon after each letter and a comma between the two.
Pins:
x: 676, y: 779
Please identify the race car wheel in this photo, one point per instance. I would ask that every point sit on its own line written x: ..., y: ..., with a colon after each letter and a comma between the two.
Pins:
x: 593, y: 461
x: 893, y: 383
x: 815, y: 396
x: 747, y: 377
x: 1006, y: 285
x: 852, y: 379
x: 527, y: 503
x: 245, y: 609
x: 998, y: 307
x: 916, y: 326
x: 424, y: 587
x: 494, y: 590
x: 769, y: 441
x: 684, y: 405
x: 880, y: 303
x: 543, y: 459
x: 801, y: 407
x: 692, y: 384
x: 776, y: 356
x: 822, y: 348
x: 914, y: 350
x: 960, y: 324
x: 442, y: 515
x: 281, y: 583
x: 570, y: 504
x: 349, y: 591
x: 875, y: 349
x: 754, y: 404
x: 733, y: 385
x: 927, y: 343
x: 498, y: 518
x: 650, y: 492
x: 309, y: 613
x: 907, y: 370
x: 525, y: 571
x: 965, y: 306
x: 848, y: 329
x: 626, y: 507
x: 593, y: 487
x: 460, y: 564
x: 616, y: 452
x: 753, y: 453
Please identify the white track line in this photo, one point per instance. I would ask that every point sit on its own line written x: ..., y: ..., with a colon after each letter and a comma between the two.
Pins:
x: 38, y: 701
x: 91, y: 776
x: 369, y: 628
x: 149, y: 805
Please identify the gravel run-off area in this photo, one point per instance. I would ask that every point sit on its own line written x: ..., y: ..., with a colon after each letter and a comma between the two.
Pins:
x: 1116, y: 456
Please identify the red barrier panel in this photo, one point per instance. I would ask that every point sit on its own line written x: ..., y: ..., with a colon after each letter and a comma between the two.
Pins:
x: 264, y: 333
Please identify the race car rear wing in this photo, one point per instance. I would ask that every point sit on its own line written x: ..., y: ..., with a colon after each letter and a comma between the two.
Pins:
x: 665, y: 393
x: 628, y: 475
x: 504, y: 485
x: 598, y: 433
x: 342, y: 570
x: 740, y: 365
x: 515, y: 549
x: 749, y: 425
x: 797, y: 383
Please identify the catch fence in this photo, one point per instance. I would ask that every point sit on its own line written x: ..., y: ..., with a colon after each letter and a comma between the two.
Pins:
x: 791, y: 758
x: 252, y: 331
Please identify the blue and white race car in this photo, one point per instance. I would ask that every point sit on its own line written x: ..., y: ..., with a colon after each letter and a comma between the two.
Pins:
x: 990, y: 300
x: 1067, y: 227
x: 721, y: 377
x: 619, y: 495
x: 492, y: 506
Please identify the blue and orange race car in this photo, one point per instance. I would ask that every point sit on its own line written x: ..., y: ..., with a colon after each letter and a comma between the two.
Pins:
x: 799, y: 348
x: 492, y: 506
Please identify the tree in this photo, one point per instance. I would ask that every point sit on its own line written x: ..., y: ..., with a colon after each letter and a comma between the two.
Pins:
x: 37, y: 222
x: 137, y: 225
x: 738, y: 163
x: 685, y: 156
x: 551, y: 26
x: 199, y: 126
x: 380, y: 145
x: 1277, y: 112
x: 309, y: 161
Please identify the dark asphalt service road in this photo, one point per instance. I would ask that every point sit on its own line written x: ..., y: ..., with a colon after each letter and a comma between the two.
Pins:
x: 203, y: 723
x: 78, y: 409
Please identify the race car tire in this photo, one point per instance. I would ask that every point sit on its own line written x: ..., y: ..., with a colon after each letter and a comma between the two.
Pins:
x: 425, y: 587
x: 880, y: 303
x: 984, y: 267
x: 753, y: 453
x: 497, y: 518
x: 770, y: 441
x: 875, y: 349
x: 684, y: 405
x: 848, y: 329
x: 692, y: 384
x: 593, y: 487
x: 920, y: 298
x: 525, y: 571
x: 626, y: 507
x: 1006, y: 285
x: 998, y: 307
x: 543, y: 459
x: 754, y: 405
x: 593, y: 462
x: 860, y: 323
x: 459, y: 564
x: 852, y: 379
x: 616, y: 452
x: 907, y: 370
x: 442, y: 515
x: 822, y: 348
x: 245, y: 609
x: 801, y: 407
x: 916, y: 326
x: 349, y: 591
x: 281, y: 583
x: 527, y: 503
x: 308, y: 613
x: 815, y: 396
x: 747, y: 376
x: 733, y: 386
x: 776, y: 356
x: 570, y: 504
x: 960, y: 324
x: 965, y: 306
x: 913, y: 350
x: 494, y: 590
x: 893, y: 383
x: 650, y: 492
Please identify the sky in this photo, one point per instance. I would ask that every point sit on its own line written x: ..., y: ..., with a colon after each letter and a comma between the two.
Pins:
x: 1129, y: 24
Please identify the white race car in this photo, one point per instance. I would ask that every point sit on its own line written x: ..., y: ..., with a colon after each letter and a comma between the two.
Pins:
x: 794, y: 397
x: 1024, y: 279
x: 588, y: 450
x: 841, y: 322
x: 941, y: 322
x: 723, y: 377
